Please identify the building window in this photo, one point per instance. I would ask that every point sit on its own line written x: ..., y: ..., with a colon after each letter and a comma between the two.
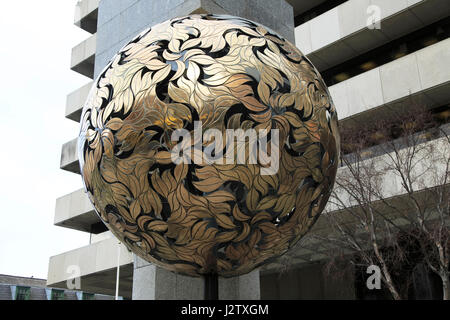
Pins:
x: 88, y: 296
x: 22, y: 293
x: 388, y: 52
x: 57, y: 294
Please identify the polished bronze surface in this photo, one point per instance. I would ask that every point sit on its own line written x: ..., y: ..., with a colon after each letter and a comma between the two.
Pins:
x: 202, y: 217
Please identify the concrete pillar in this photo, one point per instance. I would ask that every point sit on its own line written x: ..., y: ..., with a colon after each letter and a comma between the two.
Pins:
x: 154, y: 283
x: 245, y: 287
x: 120, y: 21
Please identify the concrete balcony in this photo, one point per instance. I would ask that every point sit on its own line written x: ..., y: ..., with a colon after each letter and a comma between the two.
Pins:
x: 75, y: 211
x: 86, y: 13
x: 421, y: 75
x: 75, y: 102
x: 83, y: 57
x: 97, y: 266
x: 311, y: 249
x: 69, y: 157
x: 332, y: 37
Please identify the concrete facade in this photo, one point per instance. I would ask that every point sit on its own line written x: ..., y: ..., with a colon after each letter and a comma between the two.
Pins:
x: 330, y: 39
x: 119, y: 23
x: 341, y: 33
x: 37, y: 290
x: 419, y: 73
x: 95, y: 265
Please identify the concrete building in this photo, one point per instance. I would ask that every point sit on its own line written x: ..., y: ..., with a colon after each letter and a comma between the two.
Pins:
x: 21, y: 288
x: 367, y: 71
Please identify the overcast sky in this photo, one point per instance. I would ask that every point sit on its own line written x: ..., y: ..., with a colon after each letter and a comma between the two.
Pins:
x: 36, y: 41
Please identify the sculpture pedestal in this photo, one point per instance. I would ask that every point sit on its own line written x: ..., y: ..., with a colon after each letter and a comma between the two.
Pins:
x: 154, y: 283
x: 245, y: 287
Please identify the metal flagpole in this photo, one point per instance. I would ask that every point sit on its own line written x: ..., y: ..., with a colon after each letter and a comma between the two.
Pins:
x: 118, y: 271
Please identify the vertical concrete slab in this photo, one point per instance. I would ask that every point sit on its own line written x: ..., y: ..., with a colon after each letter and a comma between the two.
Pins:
x: 339, y: 95
x: 357, y: 9
x: 144, y: 281
x: 364, y: 92
x: 246, y: 287
x: 325, y: 29
x: 153, y: 283
x: 433, y: 64
x: 400, y: 78
x: 120, y: 21
x: 303, y: 38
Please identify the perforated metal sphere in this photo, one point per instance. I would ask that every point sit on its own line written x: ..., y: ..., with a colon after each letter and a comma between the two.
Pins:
x: 191, y: 75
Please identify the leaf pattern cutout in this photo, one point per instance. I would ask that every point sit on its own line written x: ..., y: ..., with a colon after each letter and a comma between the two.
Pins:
x: 199, y: 218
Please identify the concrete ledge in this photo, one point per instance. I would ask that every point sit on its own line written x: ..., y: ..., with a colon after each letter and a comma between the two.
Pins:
x: 75, y: 211
x: 86, y: 12
x: 97, y: 265
x: 69, y: 157
x: 419, y: 74
x: 332, y: 37
x: 83, y: 57
x: 75, y: 102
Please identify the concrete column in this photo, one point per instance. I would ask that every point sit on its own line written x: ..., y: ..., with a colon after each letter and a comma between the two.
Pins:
x: 154, y: 283
x: 245, y: 287
x: 120, y: 21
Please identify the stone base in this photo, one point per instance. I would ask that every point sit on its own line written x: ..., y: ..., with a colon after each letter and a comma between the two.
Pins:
x: 154, y: 283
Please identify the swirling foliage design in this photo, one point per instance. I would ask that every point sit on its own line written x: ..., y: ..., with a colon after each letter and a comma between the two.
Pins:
x: 229, y: 73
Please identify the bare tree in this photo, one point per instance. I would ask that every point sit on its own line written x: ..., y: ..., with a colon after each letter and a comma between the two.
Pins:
x: 392, y: 196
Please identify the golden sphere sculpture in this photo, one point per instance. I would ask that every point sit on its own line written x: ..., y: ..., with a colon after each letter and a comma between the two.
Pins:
x: 212, y: 208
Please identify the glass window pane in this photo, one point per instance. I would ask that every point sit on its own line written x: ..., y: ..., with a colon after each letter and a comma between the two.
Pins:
x: 23, y: 293
x: 88, y: 296
x: 57, y: 294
